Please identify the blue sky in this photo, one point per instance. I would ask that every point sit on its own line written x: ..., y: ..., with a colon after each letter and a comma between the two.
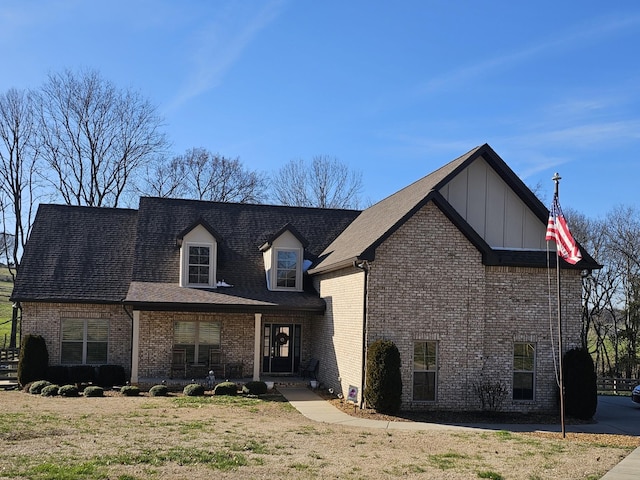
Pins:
x: 394, y: 89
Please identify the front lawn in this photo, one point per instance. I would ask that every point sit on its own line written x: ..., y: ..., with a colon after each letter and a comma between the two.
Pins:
x: 141, y: 437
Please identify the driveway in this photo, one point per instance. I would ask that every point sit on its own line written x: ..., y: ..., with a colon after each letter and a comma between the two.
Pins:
x: 618, y: 415
x: 614, y: 415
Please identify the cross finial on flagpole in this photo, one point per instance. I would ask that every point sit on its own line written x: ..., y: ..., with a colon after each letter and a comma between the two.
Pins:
x: 556, y: 178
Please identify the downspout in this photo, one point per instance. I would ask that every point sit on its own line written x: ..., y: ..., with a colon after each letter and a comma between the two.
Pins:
x: 124, y: 307
x: 364, y: 266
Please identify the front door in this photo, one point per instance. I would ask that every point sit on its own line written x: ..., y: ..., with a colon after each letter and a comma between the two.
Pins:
x: 281, y: 348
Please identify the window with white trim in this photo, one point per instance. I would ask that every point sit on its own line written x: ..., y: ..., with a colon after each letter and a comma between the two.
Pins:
x: 199, y: 265
x: 197, y: 339
x: 84, y: 341
x: 524, y: 361
x: 198, y: 260
x: 287, y: 268
x: 425, y: 371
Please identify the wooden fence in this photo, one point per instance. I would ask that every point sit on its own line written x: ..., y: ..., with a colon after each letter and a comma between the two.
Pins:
x: 616, y: 385
x: 9, y: 367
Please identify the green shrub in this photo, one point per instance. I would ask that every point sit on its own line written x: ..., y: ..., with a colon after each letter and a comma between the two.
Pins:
x: 254, y: 388
x: 581, y: 391
x: 68, y: 391
x: 383, y: 389
x: 33, y: 359
x: 130, y: 391
x: 225, y: 388
x: 93, y: 391
x: 82, y: 374
x: 159, y: 391
x: 193, y: 390
x: 58, y: 374
x: 109, y: 375
x: 36, y: 387
x: 50, y: 390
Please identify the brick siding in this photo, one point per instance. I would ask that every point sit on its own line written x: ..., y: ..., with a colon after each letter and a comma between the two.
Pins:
x: 338, y: 334
x: 45, y: 319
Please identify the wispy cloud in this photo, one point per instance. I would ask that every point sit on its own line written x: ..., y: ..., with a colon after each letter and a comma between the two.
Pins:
x: 578, y: 37
x: 219, y: 44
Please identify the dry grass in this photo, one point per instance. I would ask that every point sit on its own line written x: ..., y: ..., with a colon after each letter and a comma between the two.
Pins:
x: 130, y: 438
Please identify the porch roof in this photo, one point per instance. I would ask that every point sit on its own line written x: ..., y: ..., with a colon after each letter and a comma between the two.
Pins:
x: 171, y: 296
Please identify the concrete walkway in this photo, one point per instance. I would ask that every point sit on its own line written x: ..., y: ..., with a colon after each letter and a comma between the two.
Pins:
x: 309, y: 404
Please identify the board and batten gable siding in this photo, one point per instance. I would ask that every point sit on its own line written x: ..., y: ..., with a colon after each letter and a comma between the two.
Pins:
x: 494, y: 211
x: 338, y: 334
x: 39, y: 318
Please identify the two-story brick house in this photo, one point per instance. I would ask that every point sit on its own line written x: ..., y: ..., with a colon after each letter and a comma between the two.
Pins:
x: 452, y: 268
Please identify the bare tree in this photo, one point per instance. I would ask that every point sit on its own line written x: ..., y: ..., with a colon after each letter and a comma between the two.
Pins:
x: 18, y: 173
x: 611, y: 295
x: 623, y: 233
x: 325, y: 182
x: 95, y: 137
x: 203, y: 175
x: 164, y: 178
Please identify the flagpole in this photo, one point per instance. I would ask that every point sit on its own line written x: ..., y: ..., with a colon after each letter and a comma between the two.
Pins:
x: 556, y: 178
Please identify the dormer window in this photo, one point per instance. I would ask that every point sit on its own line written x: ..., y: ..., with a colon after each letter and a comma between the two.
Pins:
x: 200, y: 268
x: 287, y: 268
x: 283, y: 260
x: 198, y: 253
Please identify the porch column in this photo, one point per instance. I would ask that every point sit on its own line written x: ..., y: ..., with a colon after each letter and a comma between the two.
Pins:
x: 135, y: 346
x: 257, y: 353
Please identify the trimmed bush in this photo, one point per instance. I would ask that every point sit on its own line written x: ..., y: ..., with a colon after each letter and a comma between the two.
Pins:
x: 36, y: 387
x: 130, y: 391
x: 93, y: 391
x: 82, y: 374
x: 581, y: 391
x: 68, y: 391
x: 225, y: 388
x: 33, y: 359
x: 383, y: 389
x: 159, y: 391
x: 50, y: 390
x: 254, y: 388
x: 58, y: 374
x: 193, y: 390
x: 109, y: 375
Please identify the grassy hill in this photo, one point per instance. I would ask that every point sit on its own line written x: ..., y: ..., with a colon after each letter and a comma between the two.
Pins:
x: 6, y: 285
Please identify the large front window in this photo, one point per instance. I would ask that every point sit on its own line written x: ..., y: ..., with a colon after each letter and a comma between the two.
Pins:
x: 84, y: 341
x: 287, y: 268
x: 524, y: 360
x: 198, y: 339
x: 425, y: 369
x: 199, y: 267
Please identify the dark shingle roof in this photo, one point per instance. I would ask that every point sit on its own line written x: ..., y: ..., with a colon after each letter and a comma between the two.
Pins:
x: 241, y: 230
x: 378, y: 221
x: 77, y: 254
x: 170, y: 296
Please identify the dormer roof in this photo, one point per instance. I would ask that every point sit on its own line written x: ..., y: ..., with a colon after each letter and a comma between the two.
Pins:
x: 286, y: 228
x: 200, y: 222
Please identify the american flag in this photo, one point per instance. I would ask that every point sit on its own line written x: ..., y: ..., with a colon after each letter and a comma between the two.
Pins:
x: 558, y: 230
